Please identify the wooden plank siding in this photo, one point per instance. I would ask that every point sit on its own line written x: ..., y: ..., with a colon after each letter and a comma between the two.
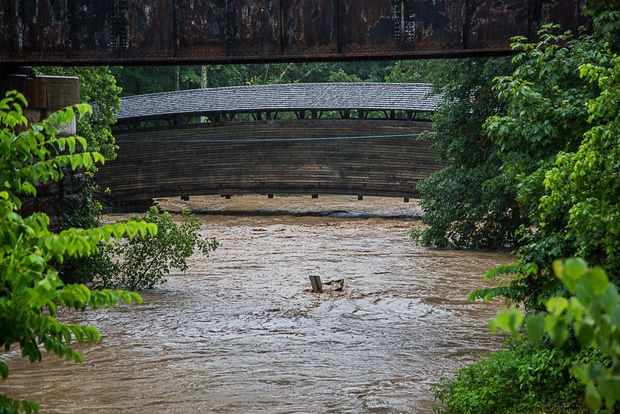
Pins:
x: 292, y: 156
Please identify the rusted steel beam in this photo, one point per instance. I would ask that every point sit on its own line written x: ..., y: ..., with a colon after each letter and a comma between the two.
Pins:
x: 233, y: 31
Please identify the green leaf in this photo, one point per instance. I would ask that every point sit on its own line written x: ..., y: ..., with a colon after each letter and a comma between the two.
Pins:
x: 557, y: 305
x: 75, y: 161
x: 83, y: 109
x: 593, y: 398
x: 4, y: 371
x: 91, y: 333
x: 142, y: 228
x: 98, y: 158
x: 108, y: 228
x: 152, y: 228
x: 66, y: 115
x: 509, y: 320
x: 576, y: 308
x: 595, y: 281
x: 118, y: 229
x: 71, y: 144
x: 575, y: 267
x: 53, y: 308
x: 557, y: 329
x: 82, y: 143
x: 30, y: 406
x: 77, y: 331
x: 584, y: 333
x: 66, y: 334
x: 132, y: 229
x: 609, y: 387
x: 535, y: 327
x: 570, y: 272
x: 136, y: 297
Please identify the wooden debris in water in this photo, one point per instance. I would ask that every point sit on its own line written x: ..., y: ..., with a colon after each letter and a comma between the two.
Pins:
x: 317, y: 286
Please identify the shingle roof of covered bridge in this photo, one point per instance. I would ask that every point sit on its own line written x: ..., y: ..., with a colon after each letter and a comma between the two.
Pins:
x: 282, y: 97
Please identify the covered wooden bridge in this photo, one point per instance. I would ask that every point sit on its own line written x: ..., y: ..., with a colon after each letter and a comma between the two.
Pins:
x: 337, y: 138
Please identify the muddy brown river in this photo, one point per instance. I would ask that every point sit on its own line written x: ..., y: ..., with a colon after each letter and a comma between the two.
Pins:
x: 241, y: 332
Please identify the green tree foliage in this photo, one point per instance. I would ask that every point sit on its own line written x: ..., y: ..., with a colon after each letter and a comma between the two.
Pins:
x: 136, y: 80
x: 592, y: 315
x: 589, y: 180
x: 30, y: 290
x: 150, y: 79
x: 342, y: 76
x: 144, y: 260
x: 522, y: 378
x: 405, y: 71
x: 468, y: 203
x: 559, y: 142
x: 545, y: 103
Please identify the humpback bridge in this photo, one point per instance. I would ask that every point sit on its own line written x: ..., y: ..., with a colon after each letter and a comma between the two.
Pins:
x: 358, y: 139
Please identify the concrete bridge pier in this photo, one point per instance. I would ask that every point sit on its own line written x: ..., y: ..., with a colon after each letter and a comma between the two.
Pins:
x: 45, y: 95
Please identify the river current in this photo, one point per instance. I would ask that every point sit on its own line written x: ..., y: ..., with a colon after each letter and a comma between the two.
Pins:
x: 241, y: 331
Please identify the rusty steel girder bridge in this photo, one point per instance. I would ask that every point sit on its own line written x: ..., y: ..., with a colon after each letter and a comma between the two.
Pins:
x: 121, y: 32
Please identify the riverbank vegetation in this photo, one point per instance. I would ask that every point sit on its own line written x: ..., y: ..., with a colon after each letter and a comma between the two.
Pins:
x: 533, y: 147
x: 548, y: 179
x: 131, y: 254
x: 144, y: 260
x: 31, y: 290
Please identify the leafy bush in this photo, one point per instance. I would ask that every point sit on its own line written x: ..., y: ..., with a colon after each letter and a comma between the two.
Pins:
x: 522, y: 378
x: 592, y: 314
x: 559, y: 138
x: 143, y: 261
x: 30, y: 289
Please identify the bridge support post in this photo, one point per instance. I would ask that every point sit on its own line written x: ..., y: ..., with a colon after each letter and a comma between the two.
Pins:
x: 45, y: 95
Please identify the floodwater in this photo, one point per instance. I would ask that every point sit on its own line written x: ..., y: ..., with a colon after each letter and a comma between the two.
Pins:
x: 241, y: 332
